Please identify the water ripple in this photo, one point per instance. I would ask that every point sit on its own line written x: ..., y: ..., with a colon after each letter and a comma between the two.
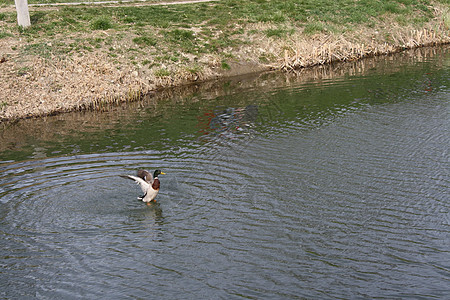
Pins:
x: 344, y: 200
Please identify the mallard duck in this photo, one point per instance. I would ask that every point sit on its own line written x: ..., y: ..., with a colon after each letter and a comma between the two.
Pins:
x: 148, y: 183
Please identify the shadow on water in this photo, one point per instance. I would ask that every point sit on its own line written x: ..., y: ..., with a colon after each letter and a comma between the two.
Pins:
x: 328, y: 183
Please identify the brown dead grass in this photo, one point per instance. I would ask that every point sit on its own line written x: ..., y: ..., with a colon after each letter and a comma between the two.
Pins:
x: 33, y: 86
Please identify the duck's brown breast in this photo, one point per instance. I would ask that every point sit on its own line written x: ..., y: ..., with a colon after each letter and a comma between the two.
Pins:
x: 156, y: 184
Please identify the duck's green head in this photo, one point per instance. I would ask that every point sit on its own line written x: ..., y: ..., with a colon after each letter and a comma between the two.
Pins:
x: 157, y: 172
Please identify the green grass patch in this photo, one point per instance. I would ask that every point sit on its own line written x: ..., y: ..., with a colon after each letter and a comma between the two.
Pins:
x: 229, y: 12
x: 180, y: 35
x: 194, y: 69
x: 314, y: 27
x: 447, y: 19
x: 205, y: 27
x: 222, y: 16
x: 145, y: 41
x: 184, y: 39
x: 225, y: 65
x: 5, y: 34
x: 278, y: 32
x: 162, y: 73
x: 47, y: 50
x: 101, y: 23
x: 23, y: 71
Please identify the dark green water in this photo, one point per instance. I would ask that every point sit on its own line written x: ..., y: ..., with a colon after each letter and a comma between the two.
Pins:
x: 332, y: 183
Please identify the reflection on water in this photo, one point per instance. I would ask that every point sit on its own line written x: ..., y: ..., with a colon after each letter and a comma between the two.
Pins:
x: 330, y: 183
x: 175, y: 114
x: 228, y: 120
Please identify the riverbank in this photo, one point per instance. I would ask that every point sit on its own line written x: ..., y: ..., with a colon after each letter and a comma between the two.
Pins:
x: 86, y: 57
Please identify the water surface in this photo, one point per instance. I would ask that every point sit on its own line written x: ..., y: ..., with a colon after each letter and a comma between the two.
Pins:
x: 332, y: 183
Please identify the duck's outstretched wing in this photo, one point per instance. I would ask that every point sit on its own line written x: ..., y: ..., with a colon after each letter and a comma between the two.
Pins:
x: 145, y: 175
x: 142, y: 183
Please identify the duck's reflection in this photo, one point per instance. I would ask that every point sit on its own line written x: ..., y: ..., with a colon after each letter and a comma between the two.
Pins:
x: 148, y: 219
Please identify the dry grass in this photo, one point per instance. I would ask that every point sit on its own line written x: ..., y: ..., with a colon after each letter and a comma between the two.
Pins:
x: 35, y: 85
x: 302, y: 51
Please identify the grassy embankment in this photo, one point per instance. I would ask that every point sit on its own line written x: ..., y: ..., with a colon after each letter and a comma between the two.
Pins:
x: 83, y: 57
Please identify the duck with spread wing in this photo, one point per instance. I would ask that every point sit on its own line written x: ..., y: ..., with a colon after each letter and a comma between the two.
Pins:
x: 149, y: 184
